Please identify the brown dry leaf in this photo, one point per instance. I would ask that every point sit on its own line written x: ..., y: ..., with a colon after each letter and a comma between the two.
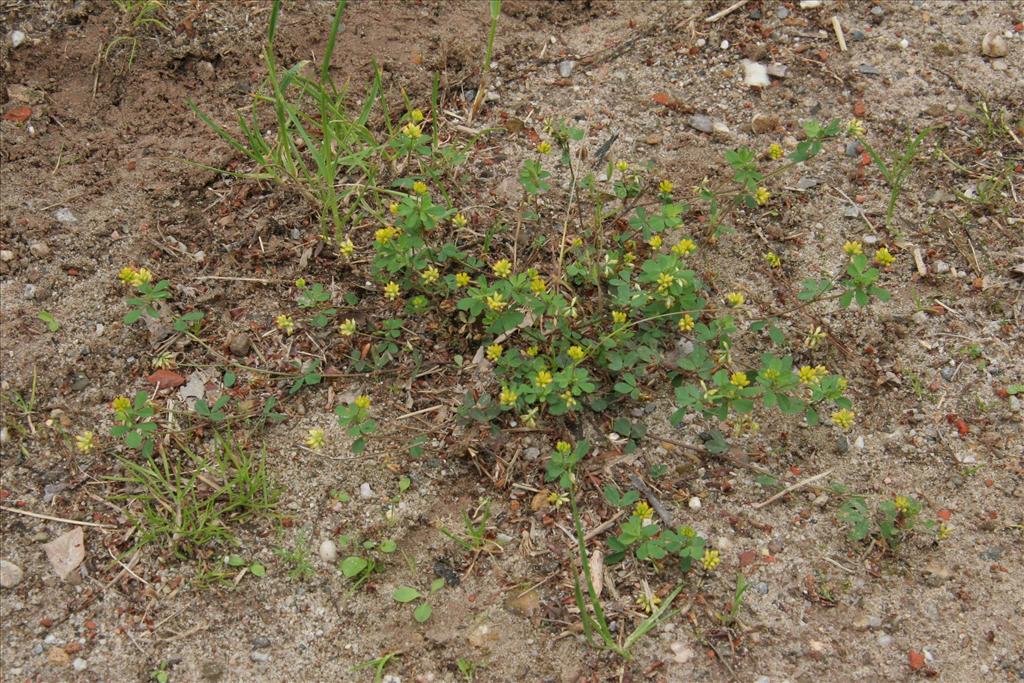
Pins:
x: 66, y: 552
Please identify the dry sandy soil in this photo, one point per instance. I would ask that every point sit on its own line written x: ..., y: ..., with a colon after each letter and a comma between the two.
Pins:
x: 95, y: 177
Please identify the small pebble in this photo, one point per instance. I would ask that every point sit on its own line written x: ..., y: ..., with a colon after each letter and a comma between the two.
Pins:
x: 920, y: 317
x: 531, y: 453
x: 39, y: 249
x: 365, y: 491
x: 884, y: 639
x: 701, y: 123
x: 869, y: 70
x: 947, y: 372
x: 993, y: 45
x: 259, y: 656
x: 857, y: 36
x: 755, y: 75
x: 724, y: 45
x: 842, y: 444
x: 17, y: 38
x: 64, y: 215
x: 565, y: 68
x: 877, y: 10
x: 6, y: 255
x: 79, y: 664
x: 761, y: 587
x: 858, y: 443
x: 329, y: 551
x: 10, y: 574
x: 701, y: 42
x: 904, y: 44
x: 782, y: 12
x: 941, y: 267
x: 695, y: 503
x: 810, y: 4
x: 239, y: 344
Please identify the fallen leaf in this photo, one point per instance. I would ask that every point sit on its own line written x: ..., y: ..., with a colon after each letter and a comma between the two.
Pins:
x: 166, y: 379
x: 662, y: 98
x: 18, y: 114
x: 747, y: 557
x: 915, y: 659
x: 66, y: 552
x: 945, y: 514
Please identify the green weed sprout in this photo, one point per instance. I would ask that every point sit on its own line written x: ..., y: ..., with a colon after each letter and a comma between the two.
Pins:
x: 895, y: 171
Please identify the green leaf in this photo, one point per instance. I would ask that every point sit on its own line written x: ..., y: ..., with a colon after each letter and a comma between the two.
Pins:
x: 404, y: 483
x: 388, y: 546
x: 353, y: 565
x: 406, y: 594
x: 257, y: 569
x: 423, y: 612
x: 51, y: 322
x: 235, y: 561
x: 229, y: 379
x: 436, y: 585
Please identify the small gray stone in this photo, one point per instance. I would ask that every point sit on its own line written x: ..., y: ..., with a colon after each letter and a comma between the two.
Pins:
x: 884, y: 639
x: 857, y: 36
x: 531, y: 453
x: 760, y: 587
x: 853, y: 148
x: 17, y: 38
x: 260, y: 643
x: 807, y: 183
x: 869, y: 70
x: 39, y: 249
x: 80, y: 664
x: 763, y: 123
x: 940, y: 197
x: 565, y: 68
x: 777, y: 70
x: 877, y: 10
x: 204, y: 69
x: 6, y: 255
x: 941, y: 267
x: 842, y: 444
x: 30, y: 292
x: 701, y: 123
x: 259, y: 656
x: 992, y: 554
x: 64, y: 215
x: 947, y: 372
x: 365, y: 491
x: 920, y: 317
x: 782, y: 12
x: 10, y: 574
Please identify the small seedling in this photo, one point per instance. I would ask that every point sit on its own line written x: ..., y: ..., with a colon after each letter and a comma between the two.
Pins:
x: 51, y: 322
x: 378, y: 665
x: 737, y: 600
x: 298, y: 559
x: 407, y: 594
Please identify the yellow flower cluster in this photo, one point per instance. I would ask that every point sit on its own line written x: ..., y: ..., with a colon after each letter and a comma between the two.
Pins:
x: 347, y: 248
x: 739, y: 379
x: 686, y: 323
x: 362, y: 402
x: 347, y: 328
x: 85, y: 442
x: 459, y: 221
x: 643, y: 510
x: 385, y: 235
x: 809, y: 375
x: 618, y: 317
x: 711, y: 559
x: 543, y: 379
x: 853, y: 248
x: 502, y: 268
x: 773, y: 259
x: 843, y: 418
x: 762, y: 195
x: 496, y: 302
x: 537, y: 285
x: 655, y: 242
x: 494, y: 352
x: 315, y: 439
x: 544, y: 147
x: 416, y: 115
x: 419, y: 187
x: 391, y: 290
x: 508, y: 397
x: 135, y: 276
x: 430, y: 275
x: 884, y: 258
x: 461, y: 279
x: 684, y: 247
x: 577, y: 353
x: 775, y: 151
x: 666, y: 187
x: 285, y: 323
x: 735, y: 299
x: 412, y: 131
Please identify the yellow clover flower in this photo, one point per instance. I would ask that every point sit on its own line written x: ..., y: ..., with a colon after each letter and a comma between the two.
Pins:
x: 735, y: 299
x: 544, y: 147
x: 622, y: 166
x: 496, y: 302
x: 412, y: 131
x: 855, y: 127
x: 711, y: 559
x: 543, y: 379
x: 285, y: 323
x: 508, y: 397
x: 618, y: 317
x: 419, y: 187
x: 461, y: 279
x: 570, y: 400
x: 537, y: 285
x: 665, y: 187
x: 843, y: 418
x: 385, y: 235
x: 315, y: 439
x: 502, y: 268
x: 347, y: 248
x: 884, y: 258
x: 655, y: 242
x: 577, y: 353
x: 686, y: 323
x: 347, y: 328
x: 739, y: 379
x: 391, y: 290
x: 773, y: 259
x: 459, y: 221
x: 684, y: 247
x: 775, y: 151
x: 853, y: 248
x: 430, y: 275
x: 494, y: 352
x: 643, y: 510
x: 121, y: 405
x: 85, y: 442
x: 362, y: 402
x: 416, y: 115
x: 762, y: 195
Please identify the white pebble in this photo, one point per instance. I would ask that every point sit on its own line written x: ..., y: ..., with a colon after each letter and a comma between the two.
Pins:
x: 725, y: 45
x: 904, y: 44
x: 79, y: 664
x: 365, y: 491
x: 329, y: 551
x: 755, y: 75
x: 17, y: 38
x: 701, y: 42
x: 695, y: 503
x: 64, y: 215
x: 10, y: 574
x: 810, y: 4
x: 6, y: 255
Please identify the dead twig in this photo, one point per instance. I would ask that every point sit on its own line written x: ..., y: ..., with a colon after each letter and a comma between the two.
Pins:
x: 726, y: 12
x: 790, y: 489
x: 56, y: 519
x: 639, y: 484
